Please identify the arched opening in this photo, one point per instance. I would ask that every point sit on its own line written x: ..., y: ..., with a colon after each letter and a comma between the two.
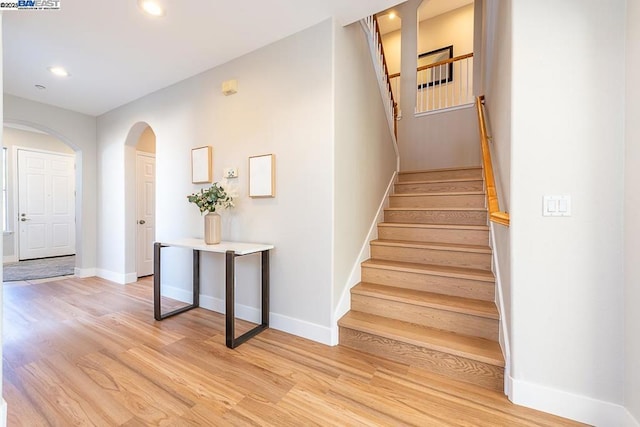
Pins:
x: 42, y: 202
x: 140, y: 152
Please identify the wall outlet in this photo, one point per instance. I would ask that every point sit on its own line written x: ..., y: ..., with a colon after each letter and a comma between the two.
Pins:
x: 231, y: 173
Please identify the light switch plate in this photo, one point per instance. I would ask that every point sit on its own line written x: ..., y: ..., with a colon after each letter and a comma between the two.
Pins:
x: 556, y: 205
x: 231, y: 173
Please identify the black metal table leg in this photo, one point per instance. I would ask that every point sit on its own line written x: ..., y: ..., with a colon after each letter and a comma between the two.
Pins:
x: 231, y: 340
x: 230, y: 298
x: 157, y: 294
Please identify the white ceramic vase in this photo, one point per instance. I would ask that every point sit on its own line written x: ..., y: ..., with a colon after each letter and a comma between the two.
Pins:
x: 212, y: 228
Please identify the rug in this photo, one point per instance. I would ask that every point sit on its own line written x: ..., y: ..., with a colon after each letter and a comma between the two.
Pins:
x: 39, y: 268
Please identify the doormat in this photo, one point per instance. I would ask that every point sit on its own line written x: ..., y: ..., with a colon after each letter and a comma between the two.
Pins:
x: 39, y: 268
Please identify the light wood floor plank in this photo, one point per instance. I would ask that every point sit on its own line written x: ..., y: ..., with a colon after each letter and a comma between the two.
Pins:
x: 88, y: 352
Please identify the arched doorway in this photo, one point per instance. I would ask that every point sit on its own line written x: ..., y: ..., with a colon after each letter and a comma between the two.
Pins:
x: 140, y: 151
x: 43, y: 219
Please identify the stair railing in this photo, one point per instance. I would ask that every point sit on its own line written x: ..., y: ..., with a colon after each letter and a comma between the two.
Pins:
x: 371, y: 27
x: 445, y: 84
x: 495, y: 215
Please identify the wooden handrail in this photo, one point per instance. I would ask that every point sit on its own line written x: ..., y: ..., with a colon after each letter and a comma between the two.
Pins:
x: 386, y: 72
x: 435, y: 64
x: 495, y: 215
x: 446, y: 61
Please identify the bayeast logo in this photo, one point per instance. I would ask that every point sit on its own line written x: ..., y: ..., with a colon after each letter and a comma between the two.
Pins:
x: 30, y: 4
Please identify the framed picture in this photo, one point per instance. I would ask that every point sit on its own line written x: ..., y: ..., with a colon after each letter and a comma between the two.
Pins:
x: 262, y: 176
x: 431, y: 76
x: 202, y: 165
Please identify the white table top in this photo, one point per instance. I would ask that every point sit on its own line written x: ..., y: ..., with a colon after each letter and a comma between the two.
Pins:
x: 240, y: 248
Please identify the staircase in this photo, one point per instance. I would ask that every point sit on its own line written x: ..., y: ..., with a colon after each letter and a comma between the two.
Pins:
x: 427, y: 293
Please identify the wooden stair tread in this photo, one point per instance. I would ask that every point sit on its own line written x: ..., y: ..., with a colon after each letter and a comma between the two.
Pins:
x: 435, y: 226
x: 431, y: 245
x: 462, y: 168
x: 440, y: 193
x: 464, y: 209
x: 437, y: 181
x: 462, y: 305
x: 478, y: 349
x: 436, y: 270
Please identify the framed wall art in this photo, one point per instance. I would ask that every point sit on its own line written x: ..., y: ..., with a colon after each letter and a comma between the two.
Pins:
x: 262, y: 176
x: 435, y: 75
x: 202, y: 165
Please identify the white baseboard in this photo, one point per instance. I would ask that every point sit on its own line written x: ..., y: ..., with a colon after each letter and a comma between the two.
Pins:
x: 84, y: 272
x: 290, y: 325
x: 344, y: 305
x: 3, y: 413
x: 112, y: 276
x: 568, y: 405
x: 9, y: 258
x: 130, y: 278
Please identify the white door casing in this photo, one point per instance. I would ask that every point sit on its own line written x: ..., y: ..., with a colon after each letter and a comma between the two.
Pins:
x: 145, y: 212
x: 46, y: 204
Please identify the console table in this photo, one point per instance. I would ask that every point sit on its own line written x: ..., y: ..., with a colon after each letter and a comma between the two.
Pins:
x: 231, y: 251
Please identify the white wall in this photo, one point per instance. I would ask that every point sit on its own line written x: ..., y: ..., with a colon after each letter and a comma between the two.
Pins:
x: 441, y: 140
x: 284, y: 106
x: 496, y: 41
x: 632, y: 213
x: 364, y: 155
x: 567, y: 280
x: 392, y: 43
x: 451, y: 28
x: 79, y: 132
x: 22, y: 139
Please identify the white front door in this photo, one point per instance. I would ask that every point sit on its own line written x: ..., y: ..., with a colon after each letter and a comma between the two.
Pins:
x: 46, y: 204
x: 146, y: 212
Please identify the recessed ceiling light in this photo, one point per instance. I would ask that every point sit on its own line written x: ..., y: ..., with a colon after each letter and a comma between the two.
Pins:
x: 40, y: 87
x: 151, y: 7
x: 59, y: 71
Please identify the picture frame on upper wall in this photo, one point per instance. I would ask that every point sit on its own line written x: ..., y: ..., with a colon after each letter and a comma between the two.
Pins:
x: 202, y: 165
x: 430, y: 73
x: 262, y: 176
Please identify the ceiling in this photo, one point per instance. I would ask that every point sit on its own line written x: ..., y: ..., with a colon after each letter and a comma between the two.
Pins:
x: 116, y: 54
x: 428, y: 9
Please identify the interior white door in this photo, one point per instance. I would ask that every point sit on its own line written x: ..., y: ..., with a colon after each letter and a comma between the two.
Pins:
x: 46, y: 204
x: 146, y: 212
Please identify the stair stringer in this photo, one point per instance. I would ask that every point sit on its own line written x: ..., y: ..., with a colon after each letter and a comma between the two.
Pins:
x: 504, y: 341
x: 344, y: 305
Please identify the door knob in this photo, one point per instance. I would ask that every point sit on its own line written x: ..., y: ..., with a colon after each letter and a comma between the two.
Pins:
x: 142, y: 221
x: 24, y: 219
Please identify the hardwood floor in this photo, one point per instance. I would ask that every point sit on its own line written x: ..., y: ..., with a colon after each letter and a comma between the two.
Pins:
x: 88, y: 352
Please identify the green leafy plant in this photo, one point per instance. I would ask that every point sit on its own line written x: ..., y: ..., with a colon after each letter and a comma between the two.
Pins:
x: 208, y: 199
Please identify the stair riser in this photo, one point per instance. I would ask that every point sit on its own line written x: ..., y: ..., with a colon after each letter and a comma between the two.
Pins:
x: 435, y: 235
x: 431, y: 256
x: 440, y: 175
x: 457, y: 201
x: 426, y: 316
x: 430, y: 283
x: 437, y: 217
x: 458, y: 368
x: 438, y: 187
